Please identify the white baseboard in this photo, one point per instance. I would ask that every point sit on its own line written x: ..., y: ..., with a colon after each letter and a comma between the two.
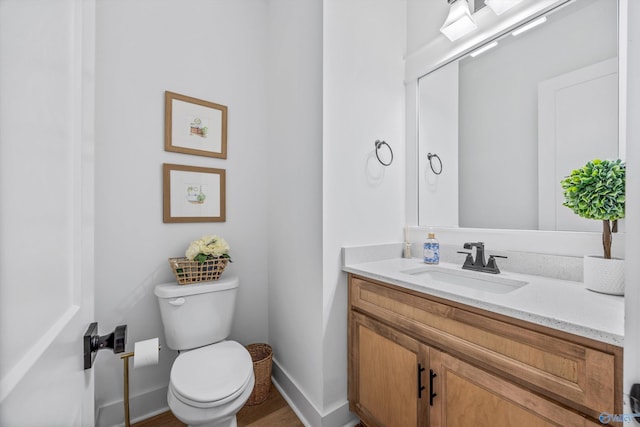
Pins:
x: 153, y: 402
x: 340, y: 416
x: 141, y: 406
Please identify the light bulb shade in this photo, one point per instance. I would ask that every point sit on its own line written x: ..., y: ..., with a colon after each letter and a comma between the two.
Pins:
x: 501, y: 6
x: 459, y: 21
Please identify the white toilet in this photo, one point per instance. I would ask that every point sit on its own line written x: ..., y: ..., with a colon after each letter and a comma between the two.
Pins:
x: 211, y: 379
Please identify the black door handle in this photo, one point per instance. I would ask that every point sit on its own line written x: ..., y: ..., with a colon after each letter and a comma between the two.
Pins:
x: 420, y: 386
x: 432, y: 395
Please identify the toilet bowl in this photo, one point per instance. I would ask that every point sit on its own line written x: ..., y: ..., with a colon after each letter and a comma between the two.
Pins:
x: 209, y: 385
x: 212, y: 378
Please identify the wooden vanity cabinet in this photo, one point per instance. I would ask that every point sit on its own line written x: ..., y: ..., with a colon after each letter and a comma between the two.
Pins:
x: 416, y: 360
x: 386, y: 379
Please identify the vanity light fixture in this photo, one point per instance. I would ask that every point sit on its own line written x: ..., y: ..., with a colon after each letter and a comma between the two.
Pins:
x: 459, y: 21
x: 530, y: 25
x: 483, y: 49
x: 501, y: 6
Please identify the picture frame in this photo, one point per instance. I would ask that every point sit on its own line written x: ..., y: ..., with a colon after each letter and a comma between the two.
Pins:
x: 193, y: 194
x: 194, y: 126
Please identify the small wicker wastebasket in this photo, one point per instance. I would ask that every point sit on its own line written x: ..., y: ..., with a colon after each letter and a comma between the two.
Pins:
x: 261, y: 355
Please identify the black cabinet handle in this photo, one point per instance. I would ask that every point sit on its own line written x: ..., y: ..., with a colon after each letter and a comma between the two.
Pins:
x: 634, y: 398
x: 420, y: 386
x: 432, y: 395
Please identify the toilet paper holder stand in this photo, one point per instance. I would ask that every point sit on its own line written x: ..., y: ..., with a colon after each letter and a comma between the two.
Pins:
x: 125, y: 359
x: 115, y: 340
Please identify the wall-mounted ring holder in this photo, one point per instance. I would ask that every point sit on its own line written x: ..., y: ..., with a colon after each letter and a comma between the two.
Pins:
x: 381, y: 144
x: 430, y: 157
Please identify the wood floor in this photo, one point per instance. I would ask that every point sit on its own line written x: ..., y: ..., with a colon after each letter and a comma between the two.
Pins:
x: 273, y: 412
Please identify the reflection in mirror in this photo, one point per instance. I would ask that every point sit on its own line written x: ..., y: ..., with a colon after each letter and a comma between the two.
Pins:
x: 476, y: 5
x: 511, y: 122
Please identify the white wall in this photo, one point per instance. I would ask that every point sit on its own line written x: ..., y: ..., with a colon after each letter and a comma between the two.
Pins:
x: 295, y: 199
x: 424, y: 20
x: 214, y: 51
x: 364, y: 202
x: 335, y: 87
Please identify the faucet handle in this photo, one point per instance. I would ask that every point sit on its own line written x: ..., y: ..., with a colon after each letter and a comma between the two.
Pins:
x: 468, y: 260
x: 492, y: 267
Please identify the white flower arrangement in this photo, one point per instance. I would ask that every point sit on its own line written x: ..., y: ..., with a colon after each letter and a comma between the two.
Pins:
x: 208, y: 247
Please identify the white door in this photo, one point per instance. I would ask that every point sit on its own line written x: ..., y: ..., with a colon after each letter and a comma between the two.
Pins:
x: 577, y: 122
x: 46, y: 211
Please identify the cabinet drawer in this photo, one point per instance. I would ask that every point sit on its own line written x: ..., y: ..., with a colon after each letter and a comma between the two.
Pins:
x: 570, y: 372
x: 469, y: 396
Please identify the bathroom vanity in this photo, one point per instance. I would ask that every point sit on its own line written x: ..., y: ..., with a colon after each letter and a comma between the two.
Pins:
x: 427, y: 352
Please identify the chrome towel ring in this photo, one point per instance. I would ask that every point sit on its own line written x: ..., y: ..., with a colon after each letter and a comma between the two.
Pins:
x: 431, y: 157
x: 378, y: 145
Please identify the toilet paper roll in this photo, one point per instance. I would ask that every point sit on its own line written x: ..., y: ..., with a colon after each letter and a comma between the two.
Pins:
x: 145, y: 353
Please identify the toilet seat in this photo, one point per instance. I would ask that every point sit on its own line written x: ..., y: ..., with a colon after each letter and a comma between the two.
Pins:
x: 211, y: 376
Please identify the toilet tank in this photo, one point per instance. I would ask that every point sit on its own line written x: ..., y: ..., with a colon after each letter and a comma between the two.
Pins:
x: 198, y: 314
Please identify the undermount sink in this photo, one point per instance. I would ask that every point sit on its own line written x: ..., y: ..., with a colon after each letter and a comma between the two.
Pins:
x: 472, y: 280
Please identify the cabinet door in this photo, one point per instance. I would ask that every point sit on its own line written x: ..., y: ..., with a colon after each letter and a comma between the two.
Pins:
x: 469, y: 396
x: 387, y: 374
x: 582, y: 374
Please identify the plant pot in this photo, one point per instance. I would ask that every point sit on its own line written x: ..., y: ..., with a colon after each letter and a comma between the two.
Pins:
x: 604, y: 275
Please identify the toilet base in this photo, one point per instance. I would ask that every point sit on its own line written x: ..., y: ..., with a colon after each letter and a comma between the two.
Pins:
x: 227, y: 422
x: 220, y: 416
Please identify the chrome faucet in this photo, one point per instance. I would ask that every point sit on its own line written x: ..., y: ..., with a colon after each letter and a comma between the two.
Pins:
x: 479, y: 263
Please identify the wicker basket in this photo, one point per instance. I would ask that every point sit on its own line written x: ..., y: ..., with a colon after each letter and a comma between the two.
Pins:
x: 187, y: 272
x: 261, y: 354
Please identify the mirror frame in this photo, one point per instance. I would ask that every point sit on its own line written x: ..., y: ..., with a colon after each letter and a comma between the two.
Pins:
x: 439, y: 53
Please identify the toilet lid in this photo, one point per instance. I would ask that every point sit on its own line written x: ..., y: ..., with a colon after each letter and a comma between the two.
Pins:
x: 211, y: 375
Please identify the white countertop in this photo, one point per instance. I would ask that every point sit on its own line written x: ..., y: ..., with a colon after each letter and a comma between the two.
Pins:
x: 558, y: 304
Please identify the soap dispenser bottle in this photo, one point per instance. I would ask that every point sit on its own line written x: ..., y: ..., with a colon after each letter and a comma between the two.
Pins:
x: 431, y: 250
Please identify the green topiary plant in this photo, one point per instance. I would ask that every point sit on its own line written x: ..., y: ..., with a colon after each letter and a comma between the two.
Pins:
x: 596, y: 191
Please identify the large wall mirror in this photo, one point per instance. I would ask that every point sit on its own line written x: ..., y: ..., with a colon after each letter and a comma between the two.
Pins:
x: 509, y: 123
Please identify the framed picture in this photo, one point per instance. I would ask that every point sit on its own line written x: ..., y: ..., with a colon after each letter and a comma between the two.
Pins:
x: 194, y: 126
x: 193, y: 194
